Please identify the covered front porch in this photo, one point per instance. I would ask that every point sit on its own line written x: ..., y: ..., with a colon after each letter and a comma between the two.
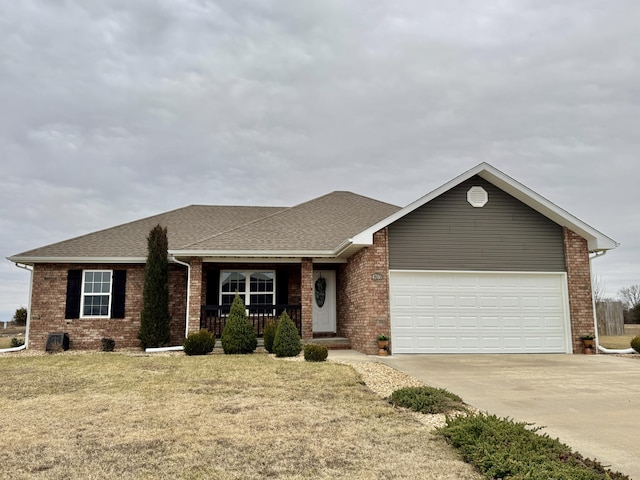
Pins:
x: 267, y: 289
x: 327, y: 298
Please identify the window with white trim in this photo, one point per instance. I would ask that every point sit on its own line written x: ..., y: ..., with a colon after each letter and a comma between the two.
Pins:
x: 254, y: 287
x: 96, y: 293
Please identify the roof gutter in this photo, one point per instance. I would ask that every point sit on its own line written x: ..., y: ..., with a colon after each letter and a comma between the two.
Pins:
x: 26, y: 333
x: 34, y: 260
x: 253, y: 253
x: 343, y: 247
x: 186, y: 320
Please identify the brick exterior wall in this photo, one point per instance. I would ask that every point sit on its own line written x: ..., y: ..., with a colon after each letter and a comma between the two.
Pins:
x: 177, y: 302
x: 579, y: 283
x: 306, y: 297
x: 49, y: 299
x: 197, y: 294
x: 362, y: 301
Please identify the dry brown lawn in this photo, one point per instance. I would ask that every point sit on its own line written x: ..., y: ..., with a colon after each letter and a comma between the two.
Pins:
x: 620, y: 341
x: 112, y: 415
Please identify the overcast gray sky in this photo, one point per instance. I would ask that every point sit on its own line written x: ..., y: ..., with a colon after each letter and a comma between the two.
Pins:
x: 113, y: 110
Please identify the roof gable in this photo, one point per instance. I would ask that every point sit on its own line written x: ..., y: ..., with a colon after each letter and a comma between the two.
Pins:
x: 597, y: 241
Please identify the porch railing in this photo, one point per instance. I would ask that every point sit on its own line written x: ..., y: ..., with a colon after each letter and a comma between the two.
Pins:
x: 214, y: 317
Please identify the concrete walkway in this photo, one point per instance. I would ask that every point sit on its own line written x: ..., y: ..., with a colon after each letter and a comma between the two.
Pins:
x: 590, y: 402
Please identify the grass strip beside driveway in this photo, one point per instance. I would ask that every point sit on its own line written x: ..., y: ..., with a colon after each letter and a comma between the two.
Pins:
x: 98, y: 415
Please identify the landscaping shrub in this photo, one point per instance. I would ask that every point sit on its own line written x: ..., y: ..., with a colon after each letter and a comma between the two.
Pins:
x: 315, y: 353
x: 635, y: 343
x: 502, y: 448
x: 427, y: 400
x: 199, y: 343
x: 155, y: 318
x: 269, y: 334
x: 287, y: 342
x: 108, y: 344
x: 238, y: 335
x: 16, y: 342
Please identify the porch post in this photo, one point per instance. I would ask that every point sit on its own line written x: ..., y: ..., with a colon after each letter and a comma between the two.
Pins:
x: 306, y: 287
x: 195, y: 294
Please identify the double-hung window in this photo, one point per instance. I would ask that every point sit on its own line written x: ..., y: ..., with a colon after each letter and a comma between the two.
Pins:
x: 96, y: 293
x: 254, y: 287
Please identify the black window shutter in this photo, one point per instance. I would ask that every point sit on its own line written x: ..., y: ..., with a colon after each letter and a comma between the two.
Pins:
x: 118, y: 290
x: 213, y: 287
x: 282, y: 286
x: 74, y: 291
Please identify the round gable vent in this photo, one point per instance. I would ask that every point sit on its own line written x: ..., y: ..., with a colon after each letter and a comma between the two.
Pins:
x: 477, y: 196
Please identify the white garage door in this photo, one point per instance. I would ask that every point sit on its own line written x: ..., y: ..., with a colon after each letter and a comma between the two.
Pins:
x: 478, y: 312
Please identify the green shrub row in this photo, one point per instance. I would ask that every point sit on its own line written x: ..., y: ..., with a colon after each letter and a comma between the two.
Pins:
x: 427, y: 400
x: 16, y: 342
x: 239, y: 336
x: 502, y: 448
x: 199, y: 343
x: 635, y: 343
x: 315, y: 353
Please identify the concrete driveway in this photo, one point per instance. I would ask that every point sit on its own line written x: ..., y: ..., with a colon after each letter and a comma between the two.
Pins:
x: 590, y: 402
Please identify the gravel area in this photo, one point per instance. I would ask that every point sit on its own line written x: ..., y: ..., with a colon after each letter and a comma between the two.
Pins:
x: 384, y: 380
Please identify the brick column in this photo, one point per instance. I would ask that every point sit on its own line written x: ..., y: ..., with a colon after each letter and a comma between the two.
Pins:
x: 576, y: 253
x: 195, y: 294
x: 363, y: 298
x: 306, y: 300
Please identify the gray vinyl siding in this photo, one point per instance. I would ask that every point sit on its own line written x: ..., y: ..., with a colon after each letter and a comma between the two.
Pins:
x: 449, y: 234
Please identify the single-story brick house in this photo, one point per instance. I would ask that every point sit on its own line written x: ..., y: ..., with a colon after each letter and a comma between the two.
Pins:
x: 482, y: 264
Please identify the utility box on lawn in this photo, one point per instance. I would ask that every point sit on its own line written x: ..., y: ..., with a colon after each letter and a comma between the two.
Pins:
x: 57, y: 342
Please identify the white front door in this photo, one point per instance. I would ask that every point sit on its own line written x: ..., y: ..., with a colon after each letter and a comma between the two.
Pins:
x: 324, y: 301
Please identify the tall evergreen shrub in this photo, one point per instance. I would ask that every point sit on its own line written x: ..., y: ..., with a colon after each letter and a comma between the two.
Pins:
x: 287, y: 342
x: 155, y: 319
x: 238, y: 335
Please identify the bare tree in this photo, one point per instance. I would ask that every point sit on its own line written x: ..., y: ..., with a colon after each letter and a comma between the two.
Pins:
x: 630, y: 296
x: 598, y: 288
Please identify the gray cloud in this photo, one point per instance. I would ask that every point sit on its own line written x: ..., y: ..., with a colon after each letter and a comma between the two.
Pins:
x: 116, y: 110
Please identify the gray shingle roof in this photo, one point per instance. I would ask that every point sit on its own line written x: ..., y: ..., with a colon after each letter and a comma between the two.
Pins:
x: 321, y: 225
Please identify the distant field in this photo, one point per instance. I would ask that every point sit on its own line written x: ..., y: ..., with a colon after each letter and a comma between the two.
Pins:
x: 620, y: 341
x: 7, y: 334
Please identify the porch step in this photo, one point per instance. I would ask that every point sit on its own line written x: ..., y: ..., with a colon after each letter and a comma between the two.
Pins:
x: 332, y: 343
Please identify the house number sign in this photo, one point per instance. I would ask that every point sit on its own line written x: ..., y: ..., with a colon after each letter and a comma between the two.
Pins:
x: 377, y: 277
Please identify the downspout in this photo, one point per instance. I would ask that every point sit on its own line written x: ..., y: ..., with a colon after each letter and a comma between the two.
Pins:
x: 178, y: 348
x: 595, y: 317
x: 26, y: 333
